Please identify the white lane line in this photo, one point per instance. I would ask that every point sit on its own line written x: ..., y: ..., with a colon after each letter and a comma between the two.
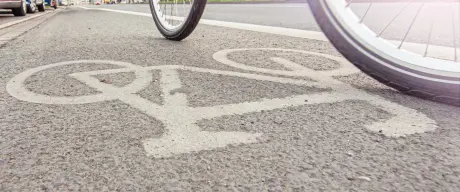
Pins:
x: 435, y: 51
x: 268, y: 29
x: 22, y: 20
x: 243, y: 26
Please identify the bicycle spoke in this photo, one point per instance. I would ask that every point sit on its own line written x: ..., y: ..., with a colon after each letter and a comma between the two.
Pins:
x: 183, y: 6
x: 411, y: 24
x: 394, y: 18
x: 399, y: 47
x: 175, y: 7
x: 164, y: 13
x: 348, y: 4
x: 367, y: 10
x: 170, y: 15
x: 429, y: 38
x: 453, y: 32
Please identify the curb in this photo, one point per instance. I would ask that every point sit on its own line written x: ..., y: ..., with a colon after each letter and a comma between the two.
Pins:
x: 21, y: 20
x: 28, y: 18
x: 13, y: 34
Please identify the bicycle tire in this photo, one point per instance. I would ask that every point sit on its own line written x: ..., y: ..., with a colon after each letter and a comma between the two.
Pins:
x: 187, y: 27
x: 376, y: 65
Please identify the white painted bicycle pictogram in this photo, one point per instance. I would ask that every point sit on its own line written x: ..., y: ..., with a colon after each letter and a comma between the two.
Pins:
x: 179, y: 119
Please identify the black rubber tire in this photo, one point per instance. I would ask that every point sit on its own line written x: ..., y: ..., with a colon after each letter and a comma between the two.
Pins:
x: 31, y: 9
x: 41, y: 8
x: 21, y: 11
x: 373, y: 64
x: 187, y: 27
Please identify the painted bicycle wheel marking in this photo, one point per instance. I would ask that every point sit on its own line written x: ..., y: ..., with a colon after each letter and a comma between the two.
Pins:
x: 184, y: 136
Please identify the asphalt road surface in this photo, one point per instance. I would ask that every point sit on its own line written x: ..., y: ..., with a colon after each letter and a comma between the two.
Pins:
x: 101, y: 102
x: 439, y: 20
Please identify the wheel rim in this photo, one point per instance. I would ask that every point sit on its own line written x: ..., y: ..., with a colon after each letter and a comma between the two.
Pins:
x: 354, y: 27
x: 24, y: 6
x: 172, y: 13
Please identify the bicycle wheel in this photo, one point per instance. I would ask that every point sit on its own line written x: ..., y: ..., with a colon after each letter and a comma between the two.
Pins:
x: 176, y: 19
x: 415, y: 73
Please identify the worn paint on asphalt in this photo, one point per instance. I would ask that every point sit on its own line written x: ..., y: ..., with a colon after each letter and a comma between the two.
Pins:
x: 183, y: 135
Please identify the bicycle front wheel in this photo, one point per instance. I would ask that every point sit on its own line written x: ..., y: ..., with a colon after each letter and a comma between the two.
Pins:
x: 390, y: 61
x: 176, y: 19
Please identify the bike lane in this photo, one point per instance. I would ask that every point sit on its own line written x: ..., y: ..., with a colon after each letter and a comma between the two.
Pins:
x: 120, y: 108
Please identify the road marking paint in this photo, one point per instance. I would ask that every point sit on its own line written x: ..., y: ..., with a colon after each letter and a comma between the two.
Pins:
x: 405, y: 121
x: 243, y: 26
x: 436, y: 51
x: 346, y: 68
x: 183, y: 134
